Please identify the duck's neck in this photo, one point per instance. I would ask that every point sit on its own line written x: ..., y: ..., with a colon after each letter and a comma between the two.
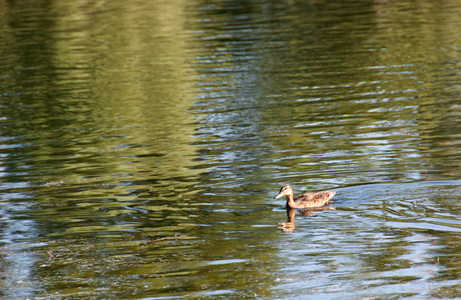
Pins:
x: 290, y: 202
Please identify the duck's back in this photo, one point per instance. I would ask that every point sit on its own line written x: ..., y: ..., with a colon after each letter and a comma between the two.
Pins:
x: 309, y: 200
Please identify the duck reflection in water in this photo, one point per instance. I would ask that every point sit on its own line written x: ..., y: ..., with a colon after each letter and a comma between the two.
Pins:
x: 289, y: 225
x: 306, y: 203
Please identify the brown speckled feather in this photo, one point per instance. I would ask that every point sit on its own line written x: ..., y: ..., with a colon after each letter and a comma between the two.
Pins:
x: 309, y: 200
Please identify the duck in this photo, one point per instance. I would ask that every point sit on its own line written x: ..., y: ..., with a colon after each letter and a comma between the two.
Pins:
x: 307, y: 200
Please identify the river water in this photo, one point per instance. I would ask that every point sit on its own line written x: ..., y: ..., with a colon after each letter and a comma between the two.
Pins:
x: 142, y: 143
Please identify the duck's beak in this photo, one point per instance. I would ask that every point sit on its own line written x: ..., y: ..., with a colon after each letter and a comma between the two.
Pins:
x: 279, y: 195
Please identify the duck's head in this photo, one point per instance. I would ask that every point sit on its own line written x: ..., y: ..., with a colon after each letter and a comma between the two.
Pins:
x: 286, y: 190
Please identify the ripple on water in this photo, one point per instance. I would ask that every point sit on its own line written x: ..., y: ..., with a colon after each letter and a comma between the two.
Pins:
x: 378, y: 236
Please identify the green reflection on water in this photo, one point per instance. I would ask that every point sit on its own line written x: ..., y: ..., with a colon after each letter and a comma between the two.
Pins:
x: 141, y: 141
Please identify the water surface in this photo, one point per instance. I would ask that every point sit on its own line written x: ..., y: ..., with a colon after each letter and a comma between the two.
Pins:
x: 142, y: 145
